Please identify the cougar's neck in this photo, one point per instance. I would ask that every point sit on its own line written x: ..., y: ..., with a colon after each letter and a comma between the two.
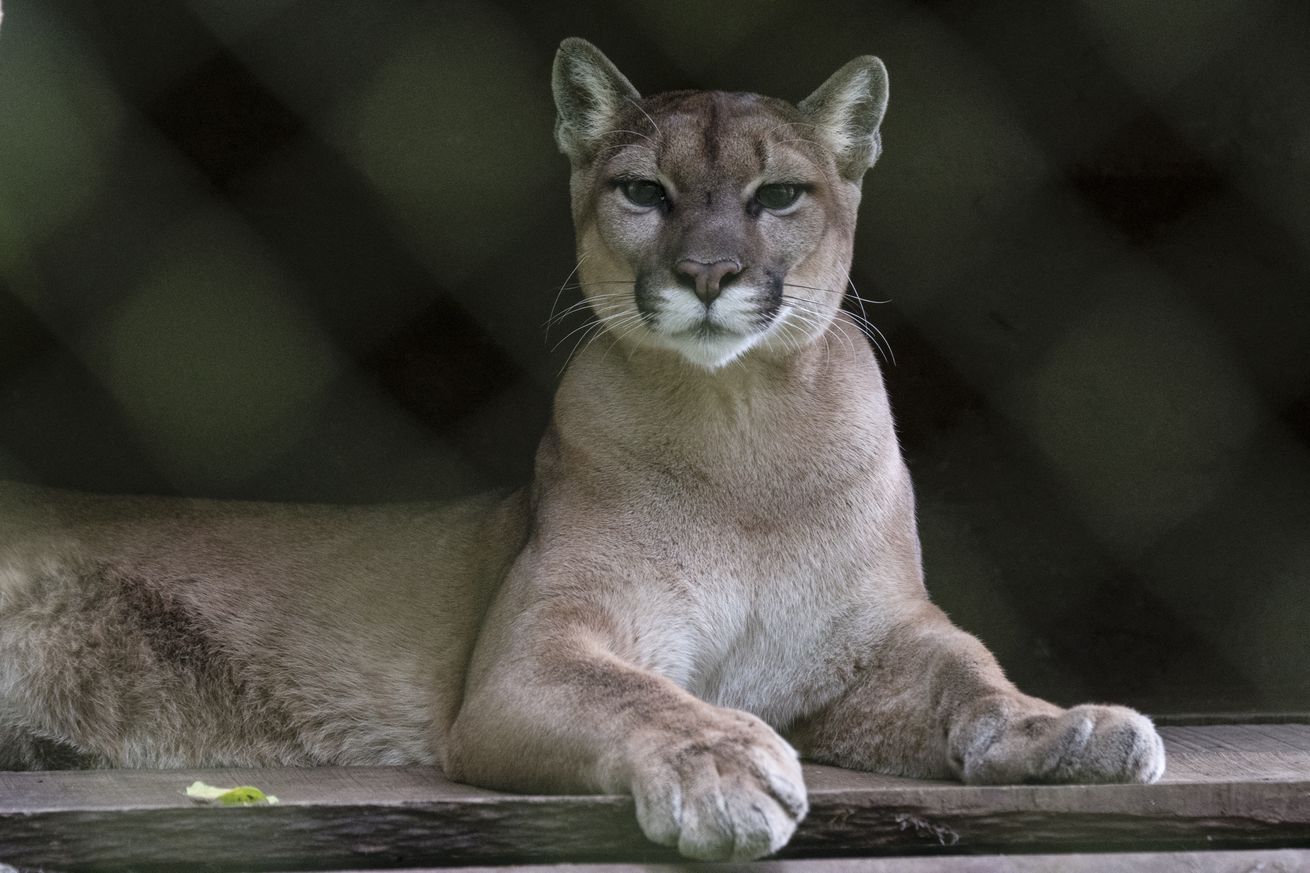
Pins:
x: 632, y: 403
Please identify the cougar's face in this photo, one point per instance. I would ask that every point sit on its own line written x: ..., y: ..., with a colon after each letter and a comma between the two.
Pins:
x: 712, y: 223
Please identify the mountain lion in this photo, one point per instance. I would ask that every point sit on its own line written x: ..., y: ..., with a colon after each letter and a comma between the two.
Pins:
x: 714, y: 573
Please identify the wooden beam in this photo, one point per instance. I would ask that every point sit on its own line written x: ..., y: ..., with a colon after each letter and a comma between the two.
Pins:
x: 1262, y: 860
x: 1227, y: 786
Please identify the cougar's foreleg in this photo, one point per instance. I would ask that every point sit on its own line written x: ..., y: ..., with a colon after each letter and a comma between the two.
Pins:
x: 557, y: 702
x: 932, y: 702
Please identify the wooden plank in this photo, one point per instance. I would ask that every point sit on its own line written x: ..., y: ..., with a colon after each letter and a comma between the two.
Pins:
x: 1234, y: 786
x: 1216, y: 754
x: 1259, y: 861
x: 1238, y: 753
x: 1230, y: 718
x: 94, y: 790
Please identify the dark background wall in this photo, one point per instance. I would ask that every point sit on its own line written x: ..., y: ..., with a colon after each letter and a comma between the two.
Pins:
x: 304, y: 250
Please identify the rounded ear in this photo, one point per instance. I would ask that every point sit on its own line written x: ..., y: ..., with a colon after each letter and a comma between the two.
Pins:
x: 589, y: 92
x: 846, y: 111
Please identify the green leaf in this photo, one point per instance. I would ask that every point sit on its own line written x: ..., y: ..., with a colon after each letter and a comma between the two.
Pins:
x: 242, y: 795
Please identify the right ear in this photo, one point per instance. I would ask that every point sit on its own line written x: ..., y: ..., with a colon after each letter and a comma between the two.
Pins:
x: 847, y: 111
x: 589, y: 94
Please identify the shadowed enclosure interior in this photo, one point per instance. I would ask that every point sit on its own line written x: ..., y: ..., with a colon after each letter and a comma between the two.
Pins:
x: 299, y: 250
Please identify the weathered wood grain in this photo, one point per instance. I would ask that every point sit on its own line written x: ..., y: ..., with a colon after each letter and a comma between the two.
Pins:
x: 1258, y: 753
x: 1234, y: 786
x: 1257, y: 861
x: 1230, y: 718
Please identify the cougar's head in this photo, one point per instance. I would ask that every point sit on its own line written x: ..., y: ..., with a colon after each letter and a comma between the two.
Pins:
x: 711, y: 223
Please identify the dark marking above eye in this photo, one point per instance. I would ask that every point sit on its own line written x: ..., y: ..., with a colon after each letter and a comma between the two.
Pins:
x: 712, y: 131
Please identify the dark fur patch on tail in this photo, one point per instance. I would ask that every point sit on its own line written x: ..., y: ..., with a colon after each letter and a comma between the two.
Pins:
x: 180, y: 640
x: 177, y: 637
x: 116, y: 668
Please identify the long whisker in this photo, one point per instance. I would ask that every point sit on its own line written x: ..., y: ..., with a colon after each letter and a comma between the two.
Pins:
x: 812, y: 311
x: 624, y: 329
x: 617, y: 327
x: 598, y: 302
x: 598, y: 326
x: 849, y: 293
x: 599, y: 320
x: 808, y: 317
x: 658, y: 132
x: 572, y: 273
x: 864, y: 315
x: 826, y: 335
x: 596, y: 299
x: 799, y: 320
x: 798, y: 338
x: 870, y: 330
x: 862, y: 324
x: 620, y: 130
x: 604, y: 296
x: 577, y: 285
x: 860, y: 321
x: 866, y: 319
x: 625, y: 145
x: 799, y: 139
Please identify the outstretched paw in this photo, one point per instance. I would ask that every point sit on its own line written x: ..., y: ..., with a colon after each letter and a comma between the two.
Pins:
x: 729, y: 790
x: 1089, y: 743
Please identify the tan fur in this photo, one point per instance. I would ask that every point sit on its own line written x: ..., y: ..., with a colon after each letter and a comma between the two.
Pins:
x: 718, y: 549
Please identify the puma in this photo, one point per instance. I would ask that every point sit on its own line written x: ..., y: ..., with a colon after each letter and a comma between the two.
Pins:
x: 714, y: 573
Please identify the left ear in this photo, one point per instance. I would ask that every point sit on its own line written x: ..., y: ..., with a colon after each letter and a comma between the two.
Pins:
x: 846, y: 112
x: 589, y: 94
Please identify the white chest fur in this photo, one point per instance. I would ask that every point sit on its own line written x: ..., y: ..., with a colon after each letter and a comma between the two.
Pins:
x: 772, y: 620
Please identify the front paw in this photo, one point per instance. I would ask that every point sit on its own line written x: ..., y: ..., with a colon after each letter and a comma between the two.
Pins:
x: 1087, y: 743
x: 726, y: 789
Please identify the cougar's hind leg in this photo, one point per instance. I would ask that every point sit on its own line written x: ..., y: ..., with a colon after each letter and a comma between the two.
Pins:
x: 20, y: 749
x: 33, y: 596
x: 101, y: 667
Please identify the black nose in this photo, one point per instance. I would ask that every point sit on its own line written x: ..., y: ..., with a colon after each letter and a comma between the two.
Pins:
x: 708, y: 278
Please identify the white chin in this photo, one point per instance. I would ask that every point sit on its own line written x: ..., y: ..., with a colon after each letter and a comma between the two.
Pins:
x: 710, y: 352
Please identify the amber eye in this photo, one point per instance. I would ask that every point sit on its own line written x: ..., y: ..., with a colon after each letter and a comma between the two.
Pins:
x: 643, y: 192
x: 777, y: 196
